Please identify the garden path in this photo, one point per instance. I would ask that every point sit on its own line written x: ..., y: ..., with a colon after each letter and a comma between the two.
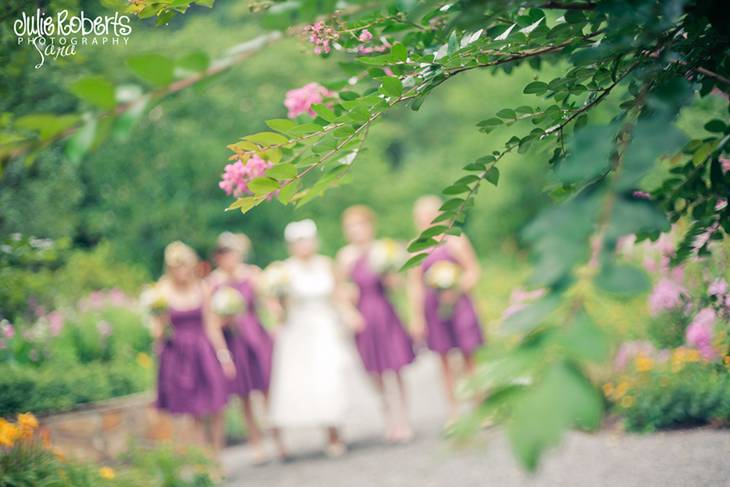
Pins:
x: 682, y: 458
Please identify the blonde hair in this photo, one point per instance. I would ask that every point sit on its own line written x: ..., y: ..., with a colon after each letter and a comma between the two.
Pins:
x: 177, y: 254
x: 237, y: 242
x: 359, y: 211
x: 430, y: 201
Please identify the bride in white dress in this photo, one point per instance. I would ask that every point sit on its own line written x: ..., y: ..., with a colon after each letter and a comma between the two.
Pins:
x: 309, y: 382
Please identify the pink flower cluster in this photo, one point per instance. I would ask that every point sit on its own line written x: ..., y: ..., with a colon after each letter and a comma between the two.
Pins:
x: 699, y: 333
x: 300, y: 100
x: 667, y: 295
x: 365, y: 36
x: 519, y: 299
x: 725, y: 164
x: 321, y: 35
x: 628, y: 351
x: 237, y: 175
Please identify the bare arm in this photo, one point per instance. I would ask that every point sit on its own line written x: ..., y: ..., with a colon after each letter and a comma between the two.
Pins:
x: 343, y: 300
x: 214, y: 330
x: 466, y: 256
x: 416, y: 295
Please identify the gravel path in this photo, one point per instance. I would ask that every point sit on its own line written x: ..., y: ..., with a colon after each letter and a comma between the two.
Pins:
x: 685, y: 458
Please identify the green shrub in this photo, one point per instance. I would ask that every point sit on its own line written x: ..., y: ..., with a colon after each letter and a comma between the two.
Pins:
x: 60, y: 387
x: 697, y: 394
x: 667, y: 330
x: 29, y: 464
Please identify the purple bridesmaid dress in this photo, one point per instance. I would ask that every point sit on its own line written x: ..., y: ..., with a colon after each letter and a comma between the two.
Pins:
x: 462, y: 328
x: 190, y: 380
x: 250, y: 344
x: 383, y: 344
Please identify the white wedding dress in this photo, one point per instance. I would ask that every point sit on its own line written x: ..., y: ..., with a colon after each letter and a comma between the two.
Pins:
x: 308, y: 383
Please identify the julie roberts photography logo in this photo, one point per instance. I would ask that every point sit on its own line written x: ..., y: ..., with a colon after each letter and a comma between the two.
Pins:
x: 61, y: 35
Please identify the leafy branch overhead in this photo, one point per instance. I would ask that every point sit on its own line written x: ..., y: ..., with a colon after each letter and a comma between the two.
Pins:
x: 643, y: 60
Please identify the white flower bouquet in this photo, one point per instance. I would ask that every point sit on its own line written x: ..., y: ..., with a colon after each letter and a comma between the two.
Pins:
x: 443, y: 275
x: 227, y: 301
x: 154, y: 301
x: 386, y: 255
x: 276, y: 279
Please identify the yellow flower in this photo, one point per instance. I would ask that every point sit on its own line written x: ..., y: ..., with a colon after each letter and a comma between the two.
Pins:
x: 627, y: 402
x: 144, y: 360
x: 621, y: 389
x: 27, y: 420
x: 726, y: 360
x: 693, y: 355
x: 107, y: 473
x: 643, y: 363
x: 8, y: 433
x: 608, y: 389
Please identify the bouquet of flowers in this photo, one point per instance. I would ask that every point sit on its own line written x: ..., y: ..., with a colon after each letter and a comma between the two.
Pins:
x: 443, y: 275
x: 386, y: 255
x: 154, y: 301
x: 276, y: 279
x: 227, y: 301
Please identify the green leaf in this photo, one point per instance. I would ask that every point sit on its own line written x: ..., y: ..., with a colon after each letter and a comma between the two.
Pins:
x: 622, y: 280
x: 584, y: 340
x: 283, y: 125
x: 716, y: 126
x: 47, y: 125
x: 324, y: 112
x: 492, y: 175
x: 421, y: 244
x: 80, y: 143
x: 267, y: 138
x: 532, y: 315
x: 414, y: 261
x: 392, y: 86
x: 263, y: 185
x: 282, y: 171
x: 535, y: 88
x: 245, y: 203
x: 95, y: 90
x: 563, y: 399
x: 287, y: 192
x: 589, y: 155
x: 507, y: 113
x: 196, y: 61
x: 155, y: 69
x: 398, y: 53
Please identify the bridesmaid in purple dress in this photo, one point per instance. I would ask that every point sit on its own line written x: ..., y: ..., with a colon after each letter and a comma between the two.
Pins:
x: 250, y: 344
x: 193, y: 358
x: 383, y: 344
x: 446, y: 317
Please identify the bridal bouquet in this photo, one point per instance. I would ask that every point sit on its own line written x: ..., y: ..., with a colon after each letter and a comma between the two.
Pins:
x: 443, y: 275
x: 276, y: 279
x: 227, y: 301
x: 386, y: 255
x: 153, y: 300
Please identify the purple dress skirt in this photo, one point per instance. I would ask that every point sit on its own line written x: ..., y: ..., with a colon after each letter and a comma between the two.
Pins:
x: 251, y: 346
x: 190, y: 380
x: 461, y: 329
x: 383, y: 344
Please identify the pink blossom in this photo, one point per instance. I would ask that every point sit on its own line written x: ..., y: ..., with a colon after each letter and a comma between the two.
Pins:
x: 519, y: 300
x: 642, y: 195
x: 8, y: 329
x: 365, y: 36
x: 725, y: 164
x: 388, y: 71
x: 372, y: 49
x: 699, y: 332
x: 718, y: 287
x: 104, y: 328
x: 667, y: 294
x: 300, y: 100
x: 321, y: 36
x: 55, y: 322
x: 721, y: 204
x: 117, y: 297
x: 237, y: 175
